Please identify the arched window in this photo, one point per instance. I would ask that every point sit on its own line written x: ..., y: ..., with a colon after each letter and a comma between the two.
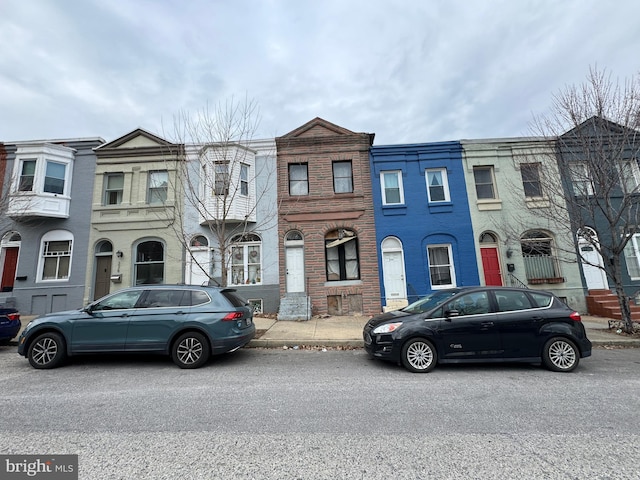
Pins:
x: 488, y: 237
x: 538, y: 253
x: 55, y: 256
x: 341, y: 249
x: 199, y: 241
x: 246, y: 260
x: 104, y: 247
x: 149, y: 263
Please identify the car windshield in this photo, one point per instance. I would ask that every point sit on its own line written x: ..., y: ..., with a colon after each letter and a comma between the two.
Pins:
x: 430, y: 301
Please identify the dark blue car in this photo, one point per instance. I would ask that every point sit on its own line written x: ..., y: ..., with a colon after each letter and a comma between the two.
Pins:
x: 9, y: 324
x: 480, y: 324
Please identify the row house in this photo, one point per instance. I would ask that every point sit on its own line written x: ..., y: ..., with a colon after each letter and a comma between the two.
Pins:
x: 520, y: 238
x: 423, y: 227
x: 47, y: 196
x: 230, y: 219
x: 135, y: 222
x: 326, y: 224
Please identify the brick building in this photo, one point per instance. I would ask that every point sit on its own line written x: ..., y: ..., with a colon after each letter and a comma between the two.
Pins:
x: 328, y: 254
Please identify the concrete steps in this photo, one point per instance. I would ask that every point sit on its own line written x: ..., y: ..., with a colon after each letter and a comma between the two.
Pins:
x: 295, y: 307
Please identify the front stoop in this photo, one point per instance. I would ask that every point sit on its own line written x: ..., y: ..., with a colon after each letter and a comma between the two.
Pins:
x: 295, y: 307
x: 604, y: 303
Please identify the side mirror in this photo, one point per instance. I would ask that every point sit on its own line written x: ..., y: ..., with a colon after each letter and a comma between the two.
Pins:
x: 451, y: 313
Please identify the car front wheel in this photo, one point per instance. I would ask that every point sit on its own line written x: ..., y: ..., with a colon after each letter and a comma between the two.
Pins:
x: 419, y: 355
x: 47, y: 351
x: 190, y: 350
x: 560, y: 355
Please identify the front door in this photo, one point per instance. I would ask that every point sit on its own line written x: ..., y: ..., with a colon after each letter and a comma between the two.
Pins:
x: 491, y: 266
x: 295, y: 269
x: 198, y: 266
x: 9, y: 268
x: 394, y: 283
x: 592, y: 266
x: 103, y: 277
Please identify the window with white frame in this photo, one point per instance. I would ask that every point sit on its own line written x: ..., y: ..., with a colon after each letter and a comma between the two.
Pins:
x: 391, y: 184
x: 244, y: 179
x: 342, y: 177
x: 437, y: 185
x: 629, y: 176
x: 158, y: 187
x: 441, y: 271
x: 580, y: 179
x: 55, y: 256
x: 246, y: 260
x: 483, y: 177
x: 113, y: 188
x: 221, y: 178
x: 27, y: 175
x: 298, y: 179
x: 632, y: 257
x: 54, y: 177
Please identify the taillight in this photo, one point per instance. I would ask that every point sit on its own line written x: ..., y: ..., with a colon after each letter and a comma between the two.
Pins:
x: 13, y: 316
x: 575, y: 316
x: 230, y: 317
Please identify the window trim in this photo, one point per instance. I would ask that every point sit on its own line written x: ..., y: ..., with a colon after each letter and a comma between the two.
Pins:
x: 343, y: 178
x: 633, y: 170
x: 137, y: 262
x: 383, y: 188
x: 244, y: 179
x: 494, y: 190
x: 54, y: 236
x: 451, y: 265
x: 245, y: 245
x: 153, y: 190
x: 337, y: 239
x: 633, y: 246
x: 108, y: 191
x: 535, y: 168
x: 445, y: 184
x: 302, y: 181
x: 582, y: 178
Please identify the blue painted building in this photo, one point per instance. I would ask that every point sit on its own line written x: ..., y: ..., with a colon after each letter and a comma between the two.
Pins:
x: 423, y: 225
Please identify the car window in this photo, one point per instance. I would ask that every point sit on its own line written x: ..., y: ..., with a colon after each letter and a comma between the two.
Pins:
x: 235, y: 299
x: 541, y: 299
x: 119, y: 300
x: 161, y: 298
x: 428, y: 302
x: 195, y: 297
x: 475, y: 303
x: 512, y: 300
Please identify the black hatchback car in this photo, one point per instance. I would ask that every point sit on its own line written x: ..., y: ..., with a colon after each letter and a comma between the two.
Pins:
x: 188, y: 323
x: 480, y: 324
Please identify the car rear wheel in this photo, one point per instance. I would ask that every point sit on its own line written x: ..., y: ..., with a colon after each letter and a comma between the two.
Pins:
x: 419, y: 355
x: 47, y: 351
x: 560, y: 355
x: 190, y: 350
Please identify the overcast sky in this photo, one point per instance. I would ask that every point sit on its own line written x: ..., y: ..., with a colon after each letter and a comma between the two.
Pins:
x: 409, y: 71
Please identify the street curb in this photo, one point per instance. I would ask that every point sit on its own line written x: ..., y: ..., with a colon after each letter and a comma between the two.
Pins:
x: 259, y: 343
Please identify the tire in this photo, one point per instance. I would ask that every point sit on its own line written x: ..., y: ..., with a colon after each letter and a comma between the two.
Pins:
x: 419, y: 355
x: 47, y: 351
x: 560, y: 355
x: 190, y: 350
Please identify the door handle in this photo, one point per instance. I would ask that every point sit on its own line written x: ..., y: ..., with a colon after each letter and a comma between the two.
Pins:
x: 487, y: 324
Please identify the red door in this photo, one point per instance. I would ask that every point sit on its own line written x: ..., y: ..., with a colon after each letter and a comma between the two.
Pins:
x: 491, y: 266
x: 9, y: 269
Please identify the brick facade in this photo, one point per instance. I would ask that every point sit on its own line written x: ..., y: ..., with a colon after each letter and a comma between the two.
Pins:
x: 319, y: 144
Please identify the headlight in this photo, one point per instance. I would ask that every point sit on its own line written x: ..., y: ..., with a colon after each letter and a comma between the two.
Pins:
x: 387, y: 328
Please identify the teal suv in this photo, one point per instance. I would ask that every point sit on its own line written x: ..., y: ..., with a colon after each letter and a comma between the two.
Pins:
x: 187, y: 322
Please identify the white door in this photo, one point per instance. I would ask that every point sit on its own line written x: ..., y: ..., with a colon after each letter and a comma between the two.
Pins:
x: 595, y: 277
x: 197, y: 267
x: 395, y: 286
x: 295, y: 269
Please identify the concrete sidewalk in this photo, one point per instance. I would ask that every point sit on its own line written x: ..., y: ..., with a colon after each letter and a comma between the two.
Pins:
x: 347, y: 332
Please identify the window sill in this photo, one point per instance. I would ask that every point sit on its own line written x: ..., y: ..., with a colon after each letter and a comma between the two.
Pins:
x: 342, y: 283
x: 394, y: 209
x: 537, y: 202
x: 441, y: 207
x: 489, y: 204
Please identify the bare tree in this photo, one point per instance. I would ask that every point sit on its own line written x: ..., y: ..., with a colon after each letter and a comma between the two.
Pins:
x: 220, y: 180
x: 597, y: 147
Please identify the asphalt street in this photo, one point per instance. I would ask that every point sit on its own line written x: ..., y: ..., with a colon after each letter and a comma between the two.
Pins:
x: 267, y: 413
